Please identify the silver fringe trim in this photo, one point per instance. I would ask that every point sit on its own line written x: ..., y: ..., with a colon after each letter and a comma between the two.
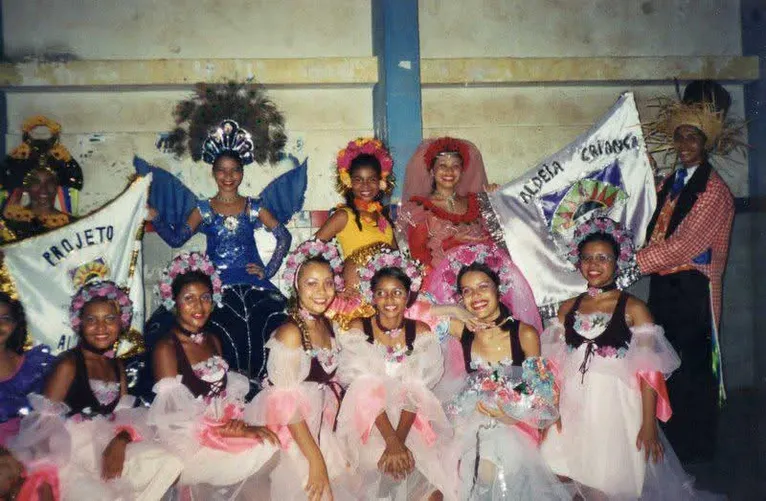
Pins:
x: 548, y: 311
x: 490, y: 220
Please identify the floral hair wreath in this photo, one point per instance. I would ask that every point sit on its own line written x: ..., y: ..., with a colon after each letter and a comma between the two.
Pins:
x: 388, y: 258
x: 626, y: 259
x: 489, y: 255
x: 310, y: 249
x: 444, y: 145
x: 102, y: 289
x: 362, y: 146
x: 182, y: 264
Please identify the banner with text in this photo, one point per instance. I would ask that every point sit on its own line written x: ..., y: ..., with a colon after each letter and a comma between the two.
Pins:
x: 48, y: 269
x: 603, y: 172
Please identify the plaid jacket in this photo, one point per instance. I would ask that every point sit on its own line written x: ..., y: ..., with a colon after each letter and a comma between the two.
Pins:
x: 698, y: 233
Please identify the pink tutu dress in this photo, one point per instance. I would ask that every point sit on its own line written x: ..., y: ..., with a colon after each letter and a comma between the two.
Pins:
x: 186, y: 412
x: 73, y: 434
x: 301, y: 386
x: 381, y: 379
x: 601, y: 363
x: 498, y: 461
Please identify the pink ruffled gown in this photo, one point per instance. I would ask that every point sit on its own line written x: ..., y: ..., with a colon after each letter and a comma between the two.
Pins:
x: 601, y: 363
x: 381, y: 379
x: 302, y: 387
x: 185, y: 413
x: 74, y: 445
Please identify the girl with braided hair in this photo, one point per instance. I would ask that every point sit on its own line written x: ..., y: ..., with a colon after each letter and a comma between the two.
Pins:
x: 302, y: 398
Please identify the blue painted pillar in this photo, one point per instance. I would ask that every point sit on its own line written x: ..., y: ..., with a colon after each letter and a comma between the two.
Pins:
x: 3, y: 99
x: 396, y: 99
x: 753, y: 14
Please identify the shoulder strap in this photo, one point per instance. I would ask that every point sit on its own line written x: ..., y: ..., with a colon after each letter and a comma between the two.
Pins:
x: 569, y: 319
x: 410, y: 332
x: 367, y: 327
x: 253, y: 209
x: 205, y: 210
x: 517, y: 352
x: 466, y: 342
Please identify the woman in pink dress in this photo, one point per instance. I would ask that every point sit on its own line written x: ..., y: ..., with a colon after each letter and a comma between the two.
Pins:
x: 391, y: 423
x: 85, y: 423
x: 445, y: 210
x: 612, y: 364
x: 198, y: 409
x: 301, y: 395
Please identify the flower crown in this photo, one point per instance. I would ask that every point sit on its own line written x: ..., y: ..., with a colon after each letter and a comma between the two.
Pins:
x: 184, y: 263
x: 307, y: 250
x: 368, y: 146
x: 388, y: 258
x: 444, y: 145
x: 627, y: 258
x: 489, y: 255
x: 102, y: 289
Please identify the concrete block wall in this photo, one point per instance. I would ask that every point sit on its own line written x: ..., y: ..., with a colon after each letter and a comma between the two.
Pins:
x: 514, y: 125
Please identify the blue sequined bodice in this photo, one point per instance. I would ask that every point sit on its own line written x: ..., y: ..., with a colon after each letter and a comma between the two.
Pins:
x: 29, y: 378
x: 231, y: 244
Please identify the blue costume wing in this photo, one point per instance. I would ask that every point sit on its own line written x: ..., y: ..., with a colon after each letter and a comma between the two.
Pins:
x: 284, y: 196
x: 172, y: 199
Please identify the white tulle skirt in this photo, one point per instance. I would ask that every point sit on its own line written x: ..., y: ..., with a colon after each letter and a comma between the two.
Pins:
x: 148, y: 472
x: 501, y: 462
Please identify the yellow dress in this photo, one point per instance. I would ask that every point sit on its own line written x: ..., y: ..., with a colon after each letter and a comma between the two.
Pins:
x: 359, y: 245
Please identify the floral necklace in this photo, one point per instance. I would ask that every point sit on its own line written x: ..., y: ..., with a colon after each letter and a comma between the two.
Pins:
x: 391, y: 333
x: 196, y: 337
x: 376, y: 209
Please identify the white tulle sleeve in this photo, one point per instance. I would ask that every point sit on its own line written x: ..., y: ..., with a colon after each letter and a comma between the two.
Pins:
x: 369, y: 391
x: 552, y: 343
x: 175, y: 415
x: 288, y: 399
x: 650, y: 351
x: 43, y: 432
x: 426, y: 363
x: 358, y: 358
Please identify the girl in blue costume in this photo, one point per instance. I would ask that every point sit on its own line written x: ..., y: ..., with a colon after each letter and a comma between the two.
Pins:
x: 21, y: 372
x: 253, y: 307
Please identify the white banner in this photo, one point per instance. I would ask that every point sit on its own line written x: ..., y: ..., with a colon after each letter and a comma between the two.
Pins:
x: 48, y: 269
x: 605, y: 170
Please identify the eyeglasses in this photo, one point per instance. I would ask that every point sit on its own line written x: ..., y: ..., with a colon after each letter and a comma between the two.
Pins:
x: 394, y: 293
x: 596, y: 258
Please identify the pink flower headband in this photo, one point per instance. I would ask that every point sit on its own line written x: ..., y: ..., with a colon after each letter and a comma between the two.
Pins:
x: 182, y: 264
x: 361, y: 146
x: 388, y: 258
x: 489, y: 255
x: 105, y: 289
x: 626, y: 259
x: 307, y: 250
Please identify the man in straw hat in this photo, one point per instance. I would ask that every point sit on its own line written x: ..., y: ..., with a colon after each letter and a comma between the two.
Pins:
x: 686, y: 251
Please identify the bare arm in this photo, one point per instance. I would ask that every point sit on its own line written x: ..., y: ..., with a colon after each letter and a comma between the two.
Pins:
x: 164, y: 360
x: 530, y: 340
x: 267, y: 218
x: 332, y: 226
x: 59, y: 382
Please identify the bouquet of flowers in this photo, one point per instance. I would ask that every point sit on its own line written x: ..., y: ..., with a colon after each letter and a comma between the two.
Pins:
x: 526, y: 394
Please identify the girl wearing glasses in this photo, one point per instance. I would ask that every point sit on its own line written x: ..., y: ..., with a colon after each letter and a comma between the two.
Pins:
x: 391, y: 423
x: 612, y: 361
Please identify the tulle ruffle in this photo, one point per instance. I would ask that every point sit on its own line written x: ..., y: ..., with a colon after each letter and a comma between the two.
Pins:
x: 75, y: 446
x: 649, y: 351
x: 376, y: 386
x: 500, y: 462
x: 37, y: 475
